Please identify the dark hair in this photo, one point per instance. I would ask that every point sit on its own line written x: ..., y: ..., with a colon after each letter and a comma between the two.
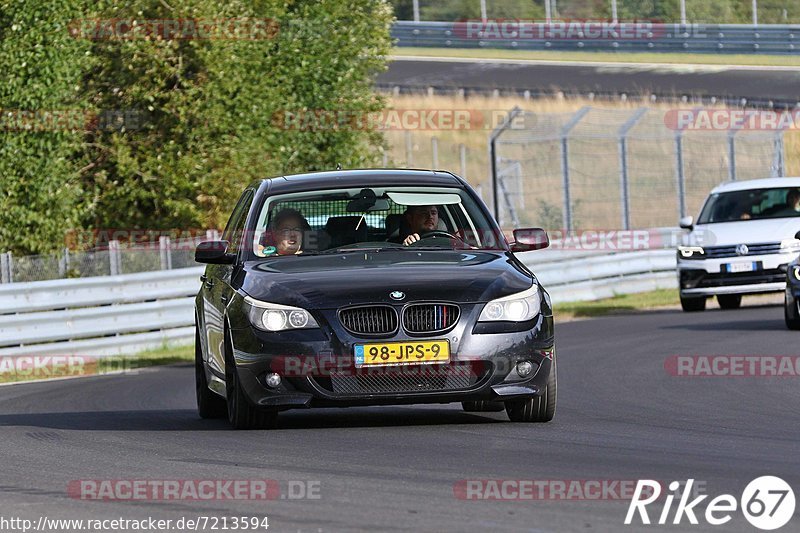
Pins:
x: 287, y: 213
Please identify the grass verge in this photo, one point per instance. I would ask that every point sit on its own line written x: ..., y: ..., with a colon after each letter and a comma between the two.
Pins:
x: 50, y: 367
x: 604, y: 57
x: 624, y: 303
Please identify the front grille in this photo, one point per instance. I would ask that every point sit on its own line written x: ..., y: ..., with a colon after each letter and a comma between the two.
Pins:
x: 369, y: 320
x: 691, y: 279
x: 430, y: 318
x: 714, y: 252
x: 405, y: 379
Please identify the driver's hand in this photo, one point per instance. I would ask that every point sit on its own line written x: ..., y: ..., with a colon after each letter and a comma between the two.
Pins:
x: 414, y: 237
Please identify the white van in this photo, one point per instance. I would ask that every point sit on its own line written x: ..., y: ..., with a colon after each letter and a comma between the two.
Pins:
x: 742, y: 242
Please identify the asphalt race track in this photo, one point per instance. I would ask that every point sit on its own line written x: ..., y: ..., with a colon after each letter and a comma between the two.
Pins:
x: 752, y: 83
x: 620, y: 417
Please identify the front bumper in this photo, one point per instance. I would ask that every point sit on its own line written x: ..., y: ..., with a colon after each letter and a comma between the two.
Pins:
x: 708, y: 277
x: 317, y: 368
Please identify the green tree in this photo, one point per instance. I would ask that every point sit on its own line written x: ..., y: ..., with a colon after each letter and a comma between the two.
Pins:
x: 40, y: 157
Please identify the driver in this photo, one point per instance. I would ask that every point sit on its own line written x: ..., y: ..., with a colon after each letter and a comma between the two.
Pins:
x: 419, y: 219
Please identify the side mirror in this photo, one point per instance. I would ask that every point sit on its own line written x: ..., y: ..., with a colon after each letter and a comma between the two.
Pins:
x: 686, y: 223
x: 797, y: 235
x: 214, y: 253
x: 529, y: 239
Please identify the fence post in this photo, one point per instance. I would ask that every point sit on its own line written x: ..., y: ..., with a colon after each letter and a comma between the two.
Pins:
x: 409, y: 150
x: 493, y: 156
x: 623, y: 165
x: 679, y: 174
x: 576, y: 118
x: 165, y: 254
x: 462, y: 157
x: 435, y: 152
x: 732, y: 155
x: 114, y: 257
x: 779, y: 168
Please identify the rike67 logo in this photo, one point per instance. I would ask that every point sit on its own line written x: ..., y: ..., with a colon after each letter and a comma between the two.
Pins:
x: 767, y: 503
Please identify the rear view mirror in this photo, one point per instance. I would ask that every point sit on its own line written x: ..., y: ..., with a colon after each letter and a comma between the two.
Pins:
x: 214, y: 253
x: 528, y: 239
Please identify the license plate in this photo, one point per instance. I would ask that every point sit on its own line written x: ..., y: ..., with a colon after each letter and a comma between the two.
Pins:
x: 741, y: 267
x: 402, y: 353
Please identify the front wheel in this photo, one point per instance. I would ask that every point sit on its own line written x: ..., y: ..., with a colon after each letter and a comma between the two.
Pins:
x: 791, y: 313
x: 729, y: 301
x: 241, y: 413
x: 539, y: 408
x: 691, y: 305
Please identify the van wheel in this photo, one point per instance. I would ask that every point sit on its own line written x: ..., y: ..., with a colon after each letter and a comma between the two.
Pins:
x: 729, y: 301
x: 691, y: 305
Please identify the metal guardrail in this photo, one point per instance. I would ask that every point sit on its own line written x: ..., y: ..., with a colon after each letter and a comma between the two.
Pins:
x: 118, y: 315
x: 691, y: 38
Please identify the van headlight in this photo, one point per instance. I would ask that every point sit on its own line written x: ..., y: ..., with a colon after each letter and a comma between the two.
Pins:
x: 518, y: 307
x: 790, y: 246
x: 277, y: 317
x: 691, y: 252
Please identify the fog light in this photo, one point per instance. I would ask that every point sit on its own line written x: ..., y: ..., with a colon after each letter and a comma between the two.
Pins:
x: 273, y: 380
x: 524, y: 369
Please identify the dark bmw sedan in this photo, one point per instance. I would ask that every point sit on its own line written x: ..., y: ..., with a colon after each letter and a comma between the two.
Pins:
x: 370, y: 287
x: 791, y: 308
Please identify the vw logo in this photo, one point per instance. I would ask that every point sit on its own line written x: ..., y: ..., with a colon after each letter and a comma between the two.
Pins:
x: 742, y: 249
x: 397, y: 295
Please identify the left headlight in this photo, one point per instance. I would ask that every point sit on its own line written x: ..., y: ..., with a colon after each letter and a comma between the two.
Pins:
x: 276, y: 317
x: 514, y: 308
x: 790, y: 246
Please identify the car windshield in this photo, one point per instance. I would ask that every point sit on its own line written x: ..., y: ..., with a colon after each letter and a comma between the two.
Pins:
x: 347, y: 220
x: 751, y: 205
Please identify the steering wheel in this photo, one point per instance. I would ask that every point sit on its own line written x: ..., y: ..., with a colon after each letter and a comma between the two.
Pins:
x: 437, y: 233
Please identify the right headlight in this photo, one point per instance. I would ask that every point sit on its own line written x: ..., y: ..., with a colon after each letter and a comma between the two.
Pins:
x: 518, y: 307
x: 691, y: 252
x: 276, y: 317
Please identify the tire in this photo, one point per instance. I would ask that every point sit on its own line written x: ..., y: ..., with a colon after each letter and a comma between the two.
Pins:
x: 791, y: 313
x: 241, y: 413
x: 483, y: 406
x: 691, y: 305
x: 729, y: 301
x: 209, y: 404
x: 539, y: 408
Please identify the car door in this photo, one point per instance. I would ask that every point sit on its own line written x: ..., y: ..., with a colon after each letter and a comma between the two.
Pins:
x: 217, y: 287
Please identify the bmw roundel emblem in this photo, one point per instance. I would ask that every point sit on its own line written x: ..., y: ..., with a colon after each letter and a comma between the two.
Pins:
x: 742, y: 249
x: 397, y: 295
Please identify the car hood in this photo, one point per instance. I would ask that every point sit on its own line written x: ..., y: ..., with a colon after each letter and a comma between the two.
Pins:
x: 332, y: 281
x: 743, y: 232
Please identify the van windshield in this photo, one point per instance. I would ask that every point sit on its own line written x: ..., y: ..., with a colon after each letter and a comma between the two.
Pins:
x: 781, y: 202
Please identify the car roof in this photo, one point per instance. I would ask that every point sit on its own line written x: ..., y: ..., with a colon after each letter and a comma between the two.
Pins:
x: 359, y: 178
x: 769, y: 183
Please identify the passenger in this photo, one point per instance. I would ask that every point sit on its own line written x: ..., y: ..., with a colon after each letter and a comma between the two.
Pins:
x: 285, y: 234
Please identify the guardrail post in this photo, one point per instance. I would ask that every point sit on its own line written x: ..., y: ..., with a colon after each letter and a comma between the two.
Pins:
x: 114, y: 257
x: 165, y: 254
x: 409, y: 150
x: 6, y: 269
x: 567, y: 215
x: 435, y: 152
x: 623, y: 165
x: 679, y: 171
x: 63, y: 265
